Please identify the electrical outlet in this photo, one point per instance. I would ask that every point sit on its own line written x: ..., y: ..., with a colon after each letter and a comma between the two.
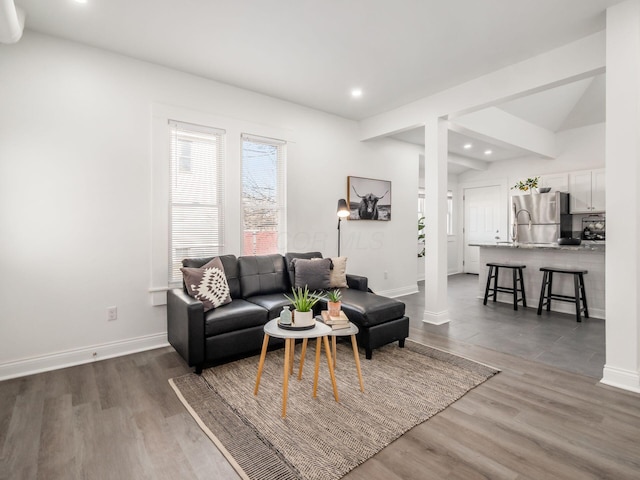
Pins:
x: 112, y: 313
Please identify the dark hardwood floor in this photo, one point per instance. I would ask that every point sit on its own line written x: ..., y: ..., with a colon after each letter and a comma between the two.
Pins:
x: 119, y: 419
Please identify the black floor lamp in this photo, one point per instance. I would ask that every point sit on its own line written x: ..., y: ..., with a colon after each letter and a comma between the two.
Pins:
x: 343, y: 212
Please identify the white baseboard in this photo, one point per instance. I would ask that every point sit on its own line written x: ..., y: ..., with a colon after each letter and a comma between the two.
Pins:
x: 398, y: 292
x: 79, y: 356
x: 436, y: 318
x: 621, y: 378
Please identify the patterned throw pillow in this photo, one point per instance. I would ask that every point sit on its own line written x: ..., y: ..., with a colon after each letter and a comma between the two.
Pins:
x: 208, y: 284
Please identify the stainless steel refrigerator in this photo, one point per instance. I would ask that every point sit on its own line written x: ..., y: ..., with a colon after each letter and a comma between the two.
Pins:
x: 540, y: 217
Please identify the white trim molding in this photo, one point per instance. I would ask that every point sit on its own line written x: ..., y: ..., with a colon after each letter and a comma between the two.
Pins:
x: 399, y: 292
x: 158, y: 296
x: 79, y: 356
x: 436, y: 318
x: 621, y: 378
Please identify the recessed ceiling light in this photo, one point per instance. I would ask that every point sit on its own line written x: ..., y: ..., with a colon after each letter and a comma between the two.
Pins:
x: 488, y: 152
x: 467, y: 146
x: 81, y: 1
x: 356, y: 92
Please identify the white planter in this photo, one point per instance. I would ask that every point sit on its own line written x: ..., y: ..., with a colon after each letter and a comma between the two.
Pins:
x: 303, y: 319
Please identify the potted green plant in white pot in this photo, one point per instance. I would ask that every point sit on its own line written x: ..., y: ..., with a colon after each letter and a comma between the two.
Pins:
x: 303, y: 302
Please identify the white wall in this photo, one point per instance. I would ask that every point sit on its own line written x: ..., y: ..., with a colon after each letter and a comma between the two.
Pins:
x: 622, y: 367
x: 76, y: 196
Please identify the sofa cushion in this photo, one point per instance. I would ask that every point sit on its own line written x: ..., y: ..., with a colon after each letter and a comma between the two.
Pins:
x: 237, y: 315
x: 230, y: 264
x: 314, y: 274
x: 368, y: 309
x: 262, y: 274
x: 288, y: 257
x: 272, y: 302
x: 207, y: 284
x: 338, y: 273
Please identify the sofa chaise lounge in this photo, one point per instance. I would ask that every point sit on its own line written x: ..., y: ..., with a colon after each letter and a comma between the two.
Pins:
x: 257, y: 285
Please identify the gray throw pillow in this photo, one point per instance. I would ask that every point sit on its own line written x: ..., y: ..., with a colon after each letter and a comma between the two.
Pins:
x: 315, y: 274
x: 338, y: 272
x: 208, y: 284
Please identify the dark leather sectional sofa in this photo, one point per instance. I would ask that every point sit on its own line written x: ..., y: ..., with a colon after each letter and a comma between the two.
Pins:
x: 257, y: 286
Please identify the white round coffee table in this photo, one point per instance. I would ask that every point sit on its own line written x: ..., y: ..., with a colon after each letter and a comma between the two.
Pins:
x: 319, y: 331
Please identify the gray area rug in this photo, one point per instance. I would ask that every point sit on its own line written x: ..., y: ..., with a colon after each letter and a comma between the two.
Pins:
x: 320, y: 439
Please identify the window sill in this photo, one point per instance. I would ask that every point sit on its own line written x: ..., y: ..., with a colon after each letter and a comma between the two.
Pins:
x: 158, y: 296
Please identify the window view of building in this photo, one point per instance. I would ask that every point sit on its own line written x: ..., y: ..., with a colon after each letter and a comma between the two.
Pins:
x: 263, y: 195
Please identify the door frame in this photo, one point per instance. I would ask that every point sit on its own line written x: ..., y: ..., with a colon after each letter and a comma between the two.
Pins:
x: 502, y: 183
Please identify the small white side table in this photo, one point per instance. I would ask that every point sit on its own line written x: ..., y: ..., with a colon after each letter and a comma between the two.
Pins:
x: 320, y: 331
x: 343, y: 332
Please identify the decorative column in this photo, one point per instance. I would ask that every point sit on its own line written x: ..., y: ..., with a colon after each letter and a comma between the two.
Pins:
x: 435, y: 266
x: 622, y: 367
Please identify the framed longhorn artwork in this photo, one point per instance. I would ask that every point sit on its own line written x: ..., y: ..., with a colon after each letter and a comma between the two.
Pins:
x: 369, y: 199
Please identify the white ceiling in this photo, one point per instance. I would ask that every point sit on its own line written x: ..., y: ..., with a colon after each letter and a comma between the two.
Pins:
x: 457, y: 141
x: 561, y: 108
x: 313, y: 52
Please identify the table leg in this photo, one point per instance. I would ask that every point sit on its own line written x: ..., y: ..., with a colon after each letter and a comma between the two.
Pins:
x: 302, y: 355
x: 263, y: 354
x: 292, y: 350
x: 334, y: 350
x: 331, y: 372
x: 285, y: 382
x: 317, y: 368
x: 354, y: 344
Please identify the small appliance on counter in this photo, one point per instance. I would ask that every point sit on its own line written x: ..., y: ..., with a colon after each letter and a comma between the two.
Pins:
x: 593, y: 227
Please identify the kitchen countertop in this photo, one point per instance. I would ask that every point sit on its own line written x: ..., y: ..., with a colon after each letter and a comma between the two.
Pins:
x: 586, y: 245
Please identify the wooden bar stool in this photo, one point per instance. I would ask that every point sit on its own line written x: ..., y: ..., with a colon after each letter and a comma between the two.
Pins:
x: 546, y: 293
x: 494, y: 270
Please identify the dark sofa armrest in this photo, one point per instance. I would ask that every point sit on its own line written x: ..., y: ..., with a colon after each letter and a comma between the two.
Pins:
x: 358, y: 282
x: 185, y: 326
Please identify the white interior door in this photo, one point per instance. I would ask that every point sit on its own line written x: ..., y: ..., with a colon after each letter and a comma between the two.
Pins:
x: 484, y: 220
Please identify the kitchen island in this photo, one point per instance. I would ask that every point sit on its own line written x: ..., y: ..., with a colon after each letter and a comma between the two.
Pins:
x: 588, y: 256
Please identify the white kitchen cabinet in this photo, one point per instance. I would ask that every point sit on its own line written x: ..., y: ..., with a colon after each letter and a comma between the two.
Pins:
x: 558, y: 182
x: 586, y: 189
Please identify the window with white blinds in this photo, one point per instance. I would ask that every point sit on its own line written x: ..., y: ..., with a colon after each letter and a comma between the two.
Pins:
x: 196, y: 213
x: 263, y: 195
